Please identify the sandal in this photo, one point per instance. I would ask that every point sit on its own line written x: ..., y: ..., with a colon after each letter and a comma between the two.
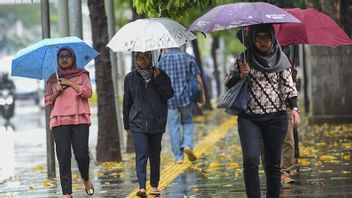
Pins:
x: 141, y: 193
x: 89, y: 191
x: 155, y: 192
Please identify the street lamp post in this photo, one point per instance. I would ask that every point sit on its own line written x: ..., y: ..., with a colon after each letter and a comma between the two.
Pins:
x: 49, y: 136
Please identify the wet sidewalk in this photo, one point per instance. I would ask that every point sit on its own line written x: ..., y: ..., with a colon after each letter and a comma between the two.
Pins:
x: 323, y: 170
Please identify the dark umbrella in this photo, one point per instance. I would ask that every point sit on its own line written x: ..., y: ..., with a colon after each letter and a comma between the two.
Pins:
x: 316, y: 28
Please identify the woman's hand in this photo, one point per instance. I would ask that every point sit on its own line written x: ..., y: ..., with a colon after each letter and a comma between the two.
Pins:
x: 64, y: 81
x: 202, y: 99
x: 156, y: 72
x: 59, y: 89
x: 244, y: 70
x: 296, y: 120
x: 56, y: 93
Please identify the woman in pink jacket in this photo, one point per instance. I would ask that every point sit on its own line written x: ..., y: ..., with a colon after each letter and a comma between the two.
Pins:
x: 70, y: 118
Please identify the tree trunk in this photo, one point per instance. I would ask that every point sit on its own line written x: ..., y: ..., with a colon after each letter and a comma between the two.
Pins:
x: 197, y: 110
x: 214, y: 47
x: 108, y: 146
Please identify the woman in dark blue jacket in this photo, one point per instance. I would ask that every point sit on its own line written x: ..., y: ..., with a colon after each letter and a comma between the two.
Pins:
x: 146, y: 91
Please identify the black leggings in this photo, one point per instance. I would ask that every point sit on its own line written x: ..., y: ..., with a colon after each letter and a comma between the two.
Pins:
x: 77, y: 136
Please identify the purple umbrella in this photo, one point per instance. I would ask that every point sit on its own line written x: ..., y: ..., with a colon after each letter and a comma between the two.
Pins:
x: 241, y: 14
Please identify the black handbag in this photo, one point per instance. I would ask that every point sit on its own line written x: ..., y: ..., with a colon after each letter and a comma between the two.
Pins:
x: 235, y: 100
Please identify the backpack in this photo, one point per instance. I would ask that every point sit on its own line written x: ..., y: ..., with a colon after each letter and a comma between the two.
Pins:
x: 193, y: 86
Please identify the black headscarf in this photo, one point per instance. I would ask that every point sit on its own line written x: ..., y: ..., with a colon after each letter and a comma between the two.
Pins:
x: 274, y: 60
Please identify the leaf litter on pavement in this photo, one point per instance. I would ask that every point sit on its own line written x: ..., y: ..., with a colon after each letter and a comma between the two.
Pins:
x: 319, y: 145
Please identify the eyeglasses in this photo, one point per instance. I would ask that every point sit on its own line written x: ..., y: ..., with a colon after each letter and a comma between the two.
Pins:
x: 265, y: 38
x: 63, y: 56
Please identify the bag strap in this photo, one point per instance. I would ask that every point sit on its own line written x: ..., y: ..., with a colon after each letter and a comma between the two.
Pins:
x: 190, y: 67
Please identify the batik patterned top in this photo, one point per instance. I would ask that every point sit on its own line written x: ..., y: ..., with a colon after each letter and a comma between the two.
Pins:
x: 269, y: 92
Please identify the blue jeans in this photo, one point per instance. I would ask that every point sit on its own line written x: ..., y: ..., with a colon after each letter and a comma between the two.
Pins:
x: 180, y: 128
x: 147, y: 146
x: 269, y: 129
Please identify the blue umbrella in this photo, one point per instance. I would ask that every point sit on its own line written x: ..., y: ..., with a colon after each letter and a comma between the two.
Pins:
x: 39, y: 61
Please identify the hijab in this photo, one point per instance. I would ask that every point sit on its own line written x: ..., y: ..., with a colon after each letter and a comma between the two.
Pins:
x: 69, y: 72
x: 273, y: 60
x: 147, y: 73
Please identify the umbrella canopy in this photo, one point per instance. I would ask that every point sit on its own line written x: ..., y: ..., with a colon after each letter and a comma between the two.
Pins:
x: 241, y: 14
x: 39, y: 61
x: 150, y: 34
x: 316, y: 28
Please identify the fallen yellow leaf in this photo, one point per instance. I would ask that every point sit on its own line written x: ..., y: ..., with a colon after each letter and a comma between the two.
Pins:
x: 304, y: 161
x: 327, y: 158
x: 195, y: 189
x: 75, y: 186
x: 234, y: 165
x: 214, y: 165
x: 38, y: 168
x: 48, y: 183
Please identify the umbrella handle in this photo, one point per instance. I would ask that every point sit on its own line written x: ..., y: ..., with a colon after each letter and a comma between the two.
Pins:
x: 57, y: 77
x: 244, y: 50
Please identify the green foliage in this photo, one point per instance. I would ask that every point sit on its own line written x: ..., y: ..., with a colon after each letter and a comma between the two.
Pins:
x: 233, y: 45
x: 175, y: 9
x: 30, y: 17
x: 94, y: 99
x: 29, y: 14
x: 294, y: 4
x: 122, y: 11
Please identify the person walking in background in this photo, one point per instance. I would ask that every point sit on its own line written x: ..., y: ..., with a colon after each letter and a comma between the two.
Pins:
x: 288, y: 147
x: 268, y: 73
x: 70, y: 118
x: 146, y: 91
x: 7, y: 83
x: 288, y: 154
x: 179, y: 66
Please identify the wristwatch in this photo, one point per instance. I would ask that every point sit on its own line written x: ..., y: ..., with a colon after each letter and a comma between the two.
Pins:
x: 296, y: 109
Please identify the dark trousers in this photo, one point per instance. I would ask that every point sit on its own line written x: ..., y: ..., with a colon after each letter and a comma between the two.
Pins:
x: 268, y: 130
x: 147, y: 146
x: 77, y: 136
